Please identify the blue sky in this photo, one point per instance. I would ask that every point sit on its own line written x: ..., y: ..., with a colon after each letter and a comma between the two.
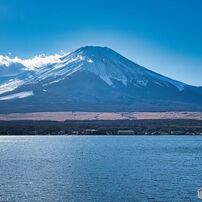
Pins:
x: 164, y: 36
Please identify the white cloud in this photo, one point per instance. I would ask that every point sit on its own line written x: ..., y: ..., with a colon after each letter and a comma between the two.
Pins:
x: 32, y: 63
x: 41, y: 60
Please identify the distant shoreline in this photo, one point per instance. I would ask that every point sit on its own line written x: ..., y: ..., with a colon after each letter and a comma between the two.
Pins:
x: 103, y: 127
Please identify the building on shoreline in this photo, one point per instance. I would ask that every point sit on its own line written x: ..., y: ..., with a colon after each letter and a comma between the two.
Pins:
x: 125, y: 132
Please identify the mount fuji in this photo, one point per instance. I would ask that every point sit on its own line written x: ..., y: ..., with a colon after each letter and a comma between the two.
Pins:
x: 92, y: 79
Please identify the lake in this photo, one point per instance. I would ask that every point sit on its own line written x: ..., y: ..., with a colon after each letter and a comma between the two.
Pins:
x: 100, y: 168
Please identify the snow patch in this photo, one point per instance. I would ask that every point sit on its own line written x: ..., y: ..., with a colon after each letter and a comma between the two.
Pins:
x: 125, y: 82
x: 10, y: 86
x: 17, y: 95
x: 90, y: 61
x: 77, y: 58
x: 107, y: 80
x: 178, y: 85
x: 142, y: 82
x: 167, y: 81
x: 159, y: 84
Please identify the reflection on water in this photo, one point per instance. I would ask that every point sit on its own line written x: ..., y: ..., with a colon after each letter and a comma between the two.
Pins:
x: 92, y: 168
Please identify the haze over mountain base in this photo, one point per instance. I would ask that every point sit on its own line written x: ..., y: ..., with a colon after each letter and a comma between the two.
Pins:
x: 63, y: 116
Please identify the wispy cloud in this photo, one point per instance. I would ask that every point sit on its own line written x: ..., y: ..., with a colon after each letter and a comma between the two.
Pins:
x: 32, y: 63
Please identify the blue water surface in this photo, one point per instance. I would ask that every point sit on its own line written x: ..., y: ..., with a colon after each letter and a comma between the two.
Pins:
x: 100, y: 168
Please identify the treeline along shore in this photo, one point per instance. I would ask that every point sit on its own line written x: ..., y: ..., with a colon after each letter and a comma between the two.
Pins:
x: 107, y: 127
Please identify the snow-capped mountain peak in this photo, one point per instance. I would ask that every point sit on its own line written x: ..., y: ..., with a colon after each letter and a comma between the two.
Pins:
x: 107, y: 65
x: 89, y: 76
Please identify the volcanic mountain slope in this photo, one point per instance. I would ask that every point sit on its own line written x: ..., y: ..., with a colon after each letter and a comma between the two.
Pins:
x: 96, y: 79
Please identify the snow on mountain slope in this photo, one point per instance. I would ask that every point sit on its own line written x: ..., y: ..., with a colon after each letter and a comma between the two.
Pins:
x: 14, y: 72
x: 103, y: 62
x: 93, y: 78
x: 17, y: 95
x: 10, y: 85
x: 106, y: 64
